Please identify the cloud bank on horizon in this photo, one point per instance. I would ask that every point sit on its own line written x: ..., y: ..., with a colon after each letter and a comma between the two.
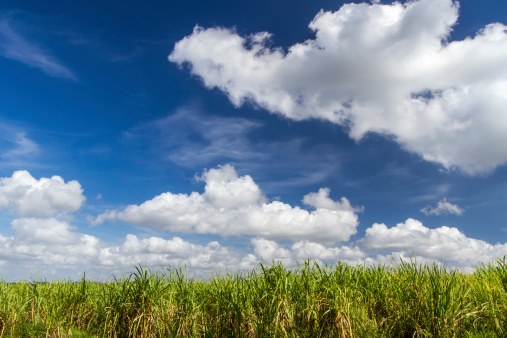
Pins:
x: 43, y: 240
x: 374, y: 68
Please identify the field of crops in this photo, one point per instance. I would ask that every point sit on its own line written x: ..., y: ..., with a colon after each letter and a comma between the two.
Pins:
x: 409, y: 300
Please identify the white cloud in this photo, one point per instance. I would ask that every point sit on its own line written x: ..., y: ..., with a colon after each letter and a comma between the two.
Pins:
x: 225, y: 190
x: 444, y: 243
x: 268, y: 251
x: 229, y: 205
x: 49, y: 231
x: 315, y: 251
x: 46, y: 245
x: 156, y: 251
x: 16, y: 47
x: 233, y: 205
x: 408, y: 241
x: 374, y: 68
x: 57, y: 250
x: 24, y: 196
x: 443, y: 208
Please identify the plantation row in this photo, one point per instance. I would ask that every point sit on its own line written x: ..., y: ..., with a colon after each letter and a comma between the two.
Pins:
x: 333, y: 301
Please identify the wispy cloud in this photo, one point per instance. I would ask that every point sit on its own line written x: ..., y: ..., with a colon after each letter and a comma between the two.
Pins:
x: 214, y: 138
x: 24, y: 147
x: 194, y: 140
x: 15, y: 46
x: 97, y: 43
x: 16, y: 148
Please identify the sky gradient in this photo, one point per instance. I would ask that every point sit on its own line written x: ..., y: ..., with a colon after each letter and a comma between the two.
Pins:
x: 219, y: 135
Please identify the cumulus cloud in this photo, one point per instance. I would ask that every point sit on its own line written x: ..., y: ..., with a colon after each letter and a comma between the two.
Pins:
x: 57, y: 250
x: 25, y: 196
x: 381, y: 245
x: 16, y: 47
x: 268, y: 251
x: 234, y: 205
x: 48, y: 246
x: 443, y: 208
x: 230, y: 205
x: 387, y: 69
x: 444, y: 243
x: 156, y: 251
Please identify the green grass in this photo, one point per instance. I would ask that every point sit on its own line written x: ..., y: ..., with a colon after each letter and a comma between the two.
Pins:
x: 408, y: 300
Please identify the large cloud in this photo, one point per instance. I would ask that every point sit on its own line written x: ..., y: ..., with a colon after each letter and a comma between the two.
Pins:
x: 374, y: 68
x: 25, y: 196
x: 233, y: 205
x: 48, y: 241
x: 387, y: 246
x: 444, y: 243
x: 57, y: 250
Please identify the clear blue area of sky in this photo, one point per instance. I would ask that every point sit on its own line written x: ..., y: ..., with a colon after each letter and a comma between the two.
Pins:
x: 98, y: 123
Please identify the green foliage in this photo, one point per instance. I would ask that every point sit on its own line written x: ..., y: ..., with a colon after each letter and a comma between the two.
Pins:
x: 408, y: 300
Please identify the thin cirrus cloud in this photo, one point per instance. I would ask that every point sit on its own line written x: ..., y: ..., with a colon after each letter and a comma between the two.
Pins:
x: 232, y: 205
x: 191, y: 139
x: 386, y: 69
x: 16, y: 47
x: 443, y: 208
x: 195, y: 140
x: 24, y: 147
x: 20, y: 150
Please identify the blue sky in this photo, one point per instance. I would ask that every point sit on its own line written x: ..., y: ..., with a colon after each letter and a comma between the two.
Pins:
x: 220, y: 134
